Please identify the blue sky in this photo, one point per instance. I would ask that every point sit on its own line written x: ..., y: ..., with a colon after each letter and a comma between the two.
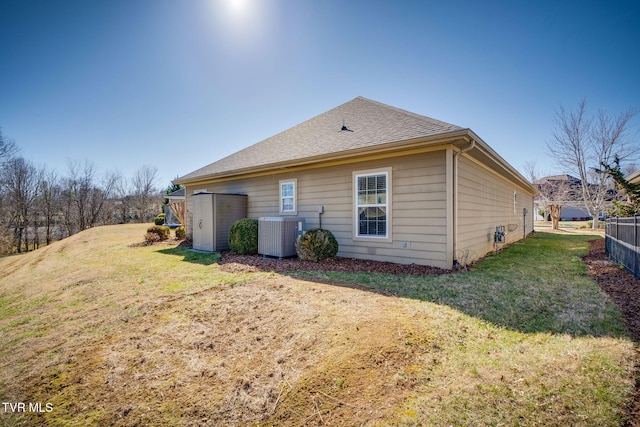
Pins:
x: 179, y: 84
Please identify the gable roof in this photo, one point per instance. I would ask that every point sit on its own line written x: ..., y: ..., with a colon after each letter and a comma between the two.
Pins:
x: 349, y: 131
x: 358, y: 124
x: 571, y: 180
x: 180, y: 193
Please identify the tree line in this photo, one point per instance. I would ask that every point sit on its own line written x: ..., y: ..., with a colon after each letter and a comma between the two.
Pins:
x: 39, y: 205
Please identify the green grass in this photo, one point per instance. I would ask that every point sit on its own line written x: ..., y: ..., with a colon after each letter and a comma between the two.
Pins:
x: 575, y: 225
x: 118, y: 335
x: 530, y: 339
x: 540, y: 285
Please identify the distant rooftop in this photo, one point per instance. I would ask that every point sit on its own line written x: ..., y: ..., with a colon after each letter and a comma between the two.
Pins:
x: 178, y: 193
x: 558, y: 178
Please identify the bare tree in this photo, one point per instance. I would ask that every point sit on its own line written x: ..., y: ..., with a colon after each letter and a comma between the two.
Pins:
x: 530, y: 170
x: 49, y: 201
x: 83, y: 198
x: 122, y: 207
x: 101, y: 196
x: 20, y: 180
x: 581, y: 142
x: 8, y: 149
x: 34, y: 202
x: 144, y: 192
x: 551, y: 194
x: 78, y: 185
x: 554, y: 195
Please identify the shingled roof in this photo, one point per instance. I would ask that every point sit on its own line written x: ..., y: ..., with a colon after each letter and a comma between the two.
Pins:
x: 358, y: 124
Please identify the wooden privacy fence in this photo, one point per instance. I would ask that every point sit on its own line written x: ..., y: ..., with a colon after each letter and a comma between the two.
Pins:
x: 622, y: 235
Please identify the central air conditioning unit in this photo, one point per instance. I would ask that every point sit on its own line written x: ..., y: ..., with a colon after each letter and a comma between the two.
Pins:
x: 277, y: 235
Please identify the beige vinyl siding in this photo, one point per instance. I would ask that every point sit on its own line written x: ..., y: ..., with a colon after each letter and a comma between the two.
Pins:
x: 485, y: 200
x: 418, y: 205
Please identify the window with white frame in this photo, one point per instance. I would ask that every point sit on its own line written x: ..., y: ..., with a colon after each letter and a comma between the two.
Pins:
x: 515, y: 202
x: 288, y: 196
x: 372, y: 200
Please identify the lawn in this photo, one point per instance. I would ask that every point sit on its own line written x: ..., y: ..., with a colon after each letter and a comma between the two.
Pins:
x: 99, y: 332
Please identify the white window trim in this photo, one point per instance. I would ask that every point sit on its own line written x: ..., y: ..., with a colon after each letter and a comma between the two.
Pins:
x: 387, y: 205
x: 295, y: 196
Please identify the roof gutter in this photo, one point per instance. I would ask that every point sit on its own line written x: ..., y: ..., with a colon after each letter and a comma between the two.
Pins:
x: 453, y: 137
x: 471, y: 146
x: 433, y: 140
x: 454, y: 225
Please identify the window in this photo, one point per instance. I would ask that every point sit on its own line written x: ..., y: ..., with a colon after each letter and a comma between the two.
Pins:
x: 515, y: 202
x: 288, y: 197
x: 372, y: 201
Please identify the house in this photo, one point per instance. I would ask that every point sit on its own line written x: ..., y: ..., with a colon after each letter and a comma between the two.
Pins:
x: 565, y: 190
x: 390, y: 184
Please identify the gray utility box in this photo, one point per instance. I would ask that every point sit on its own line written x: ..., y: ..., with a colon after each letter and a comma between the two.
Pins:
x: 277, y: 235
x: 213, y: 216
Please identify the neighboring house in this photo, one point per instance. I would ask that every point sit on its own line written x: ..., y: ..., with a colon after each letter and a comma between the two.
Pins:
x: 391, y: 185
x: 565, y: 190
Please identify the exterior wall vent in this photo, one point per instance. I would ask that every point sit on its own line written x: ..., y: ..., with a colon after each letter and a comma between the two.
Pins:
x: 277, y: 235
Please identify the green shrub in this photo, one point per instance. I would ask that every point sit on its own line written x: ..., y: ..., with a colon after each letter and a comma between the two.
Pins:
x: 181, y: 233
x: 151, y: 238
x: 159, y: 220
x: 162, y: 231
x: 316, y: 244
x: 243, y: 236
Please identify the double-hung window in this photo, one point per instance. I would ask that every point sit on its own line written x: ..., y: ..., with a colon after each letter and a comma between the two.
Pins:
x: 372, y: 203
x: 288, y: 197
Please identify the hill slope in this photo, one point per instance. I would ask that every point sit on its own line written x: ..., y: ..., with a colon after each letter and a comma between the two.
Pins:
x: 110, y: 334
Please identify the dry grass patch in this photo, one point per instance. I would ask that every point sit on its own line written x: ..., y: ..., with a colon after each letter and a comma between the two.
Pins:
x: 158, y: 335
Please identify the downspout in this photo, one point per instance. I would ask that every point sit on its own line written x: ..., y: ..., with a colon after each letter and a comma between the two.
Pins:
x: 456, y: 155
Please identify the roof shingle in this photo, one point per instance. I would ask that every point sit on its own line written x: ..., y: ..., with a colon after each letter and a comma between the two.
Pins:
x: 368, y: 123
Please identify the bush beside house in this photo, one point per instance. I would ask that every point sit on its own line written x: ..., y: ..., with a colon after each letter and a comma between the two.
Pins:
x: 243, y: 237
x: 157, y: 233
x: 316, y: 244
